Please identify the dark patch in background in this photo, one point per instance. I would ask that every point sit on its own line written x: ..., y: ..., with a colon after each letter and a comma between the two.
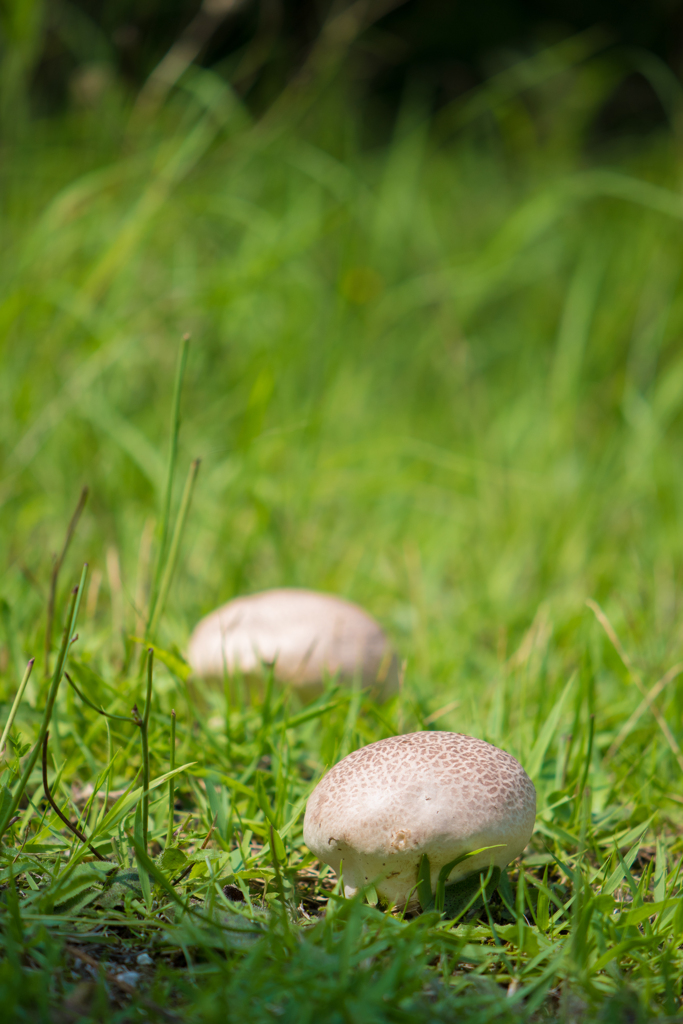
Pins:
x: 443, y: 46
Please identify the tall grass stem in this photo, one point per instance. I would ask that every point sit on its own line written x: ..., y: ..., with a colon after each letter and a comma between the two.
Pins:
x: 171, y: 783
x: 168, y: 495
x: 174, y: 548
x: 54, y: 578
x: 586, y: 766
x: 144, y: 736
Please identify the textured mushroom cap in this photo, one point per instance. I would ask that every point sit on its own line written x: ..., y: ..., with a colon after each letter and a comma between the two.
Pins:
x: 440, y: 793
x: 306, y: 634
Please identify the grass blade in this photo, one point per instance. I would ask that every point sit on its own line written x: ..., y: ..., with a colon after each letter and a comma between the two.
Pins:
x: 170, y: 475
x: 534, y: 763
x: 169, y: 566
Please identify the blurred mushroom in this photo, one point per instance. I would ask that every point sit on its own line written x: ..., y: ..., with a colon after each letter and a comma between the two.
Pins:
x: 306, y: 636
x: 443, y: 794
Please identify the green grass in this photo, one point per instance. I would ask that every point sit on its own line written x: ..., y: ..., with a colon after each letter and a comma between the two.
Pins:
x: 441, y: 377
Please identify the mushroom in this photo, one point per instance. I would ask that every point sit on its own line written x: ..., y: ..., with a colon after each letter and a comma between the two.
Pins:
x: 306, y: 636
x: 379, y: 810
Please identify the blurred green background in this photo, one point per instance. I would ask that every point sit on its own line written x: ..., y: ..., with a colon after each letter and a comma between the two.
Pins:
x: 435, y: 362
x: 430, y: 257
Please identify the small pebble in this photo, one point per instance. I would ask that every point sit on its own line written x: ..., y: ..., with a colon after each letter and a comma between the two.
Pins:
x: 130, y: 977
x: 144, y: 960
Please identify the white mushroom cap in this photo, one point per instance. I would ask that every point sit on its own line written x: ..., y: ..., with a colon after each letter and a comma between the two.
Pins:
x: 440, y: 793
x: 307, y: 635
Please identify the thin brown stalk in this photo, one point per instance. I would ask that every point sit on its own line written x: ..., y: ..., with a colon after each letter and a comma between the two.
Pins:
x: 614, y: 639
x: 76, y: 831
x: 635, y: 675
x: 334, y: 41
x: 184, y: 51
x: 436, y: 715
x: 642, y: 708
x: 54, y: 579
